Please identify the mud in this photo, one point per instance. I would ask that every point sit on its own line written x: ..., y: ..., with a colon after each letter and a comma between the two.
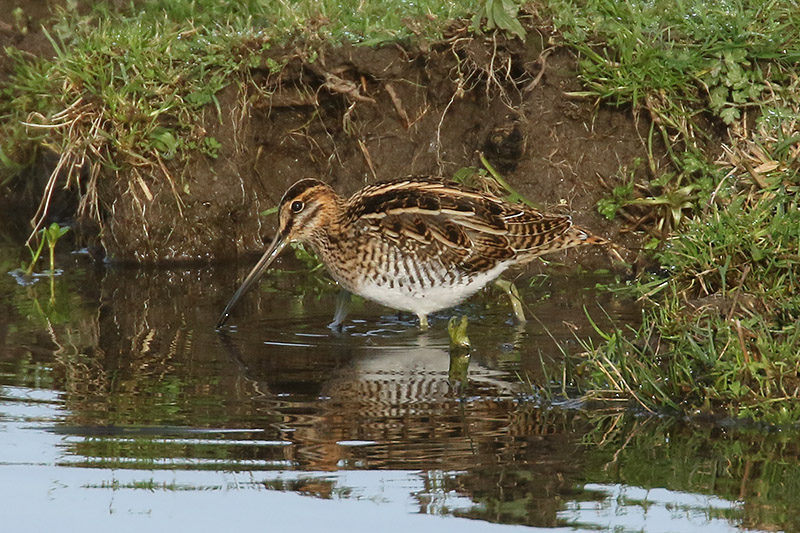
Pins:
x: 350, y: 115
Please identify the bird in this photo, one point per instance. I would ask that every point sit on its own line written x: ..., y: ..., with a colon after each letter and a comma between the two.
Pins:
x: 419, y: 244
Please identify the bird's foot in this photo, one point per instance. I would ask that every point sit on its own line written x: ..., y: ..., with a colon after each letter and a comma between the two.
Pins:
x: 423, y: 322
x: 513, y: 295
x: 342, y: 308
x: 459, y: 342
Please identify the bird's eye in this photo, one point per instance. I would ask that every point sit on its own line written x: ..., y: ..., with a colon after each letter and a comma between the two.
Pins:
x: 297, y: 206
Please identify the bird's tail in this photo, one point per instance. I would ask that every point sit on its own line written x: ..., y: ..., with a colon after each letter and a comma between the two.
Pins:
x: 580, y: 237
x: 584, y: 238
x: 573, y: 237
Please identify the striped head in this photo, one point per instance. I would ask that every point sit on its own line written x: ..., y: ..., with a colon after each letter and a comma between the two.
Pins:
x: 307, y: 208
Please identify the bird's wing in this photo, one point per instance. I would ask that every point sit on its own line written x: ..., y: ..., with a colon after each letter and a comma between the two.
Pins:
x: 474, y: 229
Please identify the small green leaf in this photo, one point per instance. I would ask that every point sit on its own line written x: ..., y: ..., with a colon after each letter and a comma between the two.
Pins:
x: 211, y: 147
x: 503, y: 15
x: 729, y: 114
x: 464, y: 174
x: 164, y: 141
x: 718, y: 97
x: 198, y: 98
x: 652, y: 244
x: 608, y: 208
x: 739, y: 97
x: 735, y: 76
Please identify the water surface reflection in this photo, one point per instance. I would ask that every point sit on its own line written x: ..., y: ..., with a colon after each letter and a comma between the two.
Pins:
x: 118, y: 401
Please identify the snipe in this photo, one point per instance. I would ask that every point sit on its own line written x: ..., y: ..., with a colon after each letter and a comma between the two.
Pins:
x: 416, y: 244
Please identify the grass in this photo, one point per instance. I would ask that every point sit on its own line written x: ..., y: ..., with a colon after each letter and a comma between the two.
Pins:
x: 721, y: 331
x: 670, y: 56
x: 696, y: 68
x: 128, y: 91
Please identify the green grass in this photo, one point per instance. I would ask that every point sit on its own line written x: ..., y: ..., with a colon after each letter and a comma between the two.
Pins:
x: 668, y: 56
x: 695, y: 67
x: 720, y: 332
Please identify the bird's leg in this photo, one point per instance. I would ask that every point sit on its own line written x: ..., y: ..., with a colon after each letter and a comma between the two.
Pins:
x: 459, y: 355
x: 513, y: 294
x: 342, y: 308
x: 423, y: 322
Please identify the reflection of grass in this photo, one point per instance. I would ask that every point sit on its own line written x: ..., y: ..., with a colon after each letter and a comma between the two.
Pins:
x: 757, y: 468
x: 58, y: 303
x: 25, y: 372
x: 755, y: 472
x: 128, y: 449
x: 151, y: 485
x: 308, y: 279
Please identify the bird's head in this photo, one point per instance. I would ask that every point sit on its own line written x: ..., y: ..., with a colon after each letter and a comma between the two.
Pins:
x: 306, y: 209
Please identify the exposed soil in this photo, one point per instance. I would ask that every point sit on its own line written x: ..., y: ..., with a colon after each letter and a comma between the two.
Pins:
x: 356, y: 114
x: 23, y: 30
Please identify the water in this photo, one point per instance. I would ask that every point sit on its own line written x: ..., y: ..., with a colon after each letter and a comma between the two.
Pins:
x: 121, y: 409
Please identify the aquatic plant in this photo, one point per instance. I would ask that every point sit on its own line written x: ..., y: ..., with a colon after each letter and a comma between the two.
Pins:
x: 49, y: 235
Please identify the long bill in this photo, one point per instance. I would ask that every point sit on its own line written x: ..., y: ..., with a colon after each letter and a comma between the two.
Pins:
x: 269, y: 256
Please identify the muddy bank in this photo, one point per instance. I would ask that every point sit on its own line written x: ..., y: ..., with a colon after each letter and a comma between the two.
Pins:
x: 350, y: 115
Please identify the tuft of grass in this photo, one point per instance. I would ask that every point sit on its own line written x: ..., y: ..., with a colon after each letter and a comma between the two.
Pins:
x: 720, y: 84
x: 671, y: 56
x: 695, y: 68
x: 722, y: 335
x: 122, y: 94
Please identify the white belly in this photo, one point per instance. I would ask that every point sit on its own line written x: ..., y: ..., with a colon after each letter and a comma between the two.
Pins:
x: 425, y: 298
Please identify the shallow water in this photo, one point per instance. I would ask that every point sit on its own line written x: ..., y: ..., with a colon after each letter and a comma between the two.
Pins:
x: 122, y: 409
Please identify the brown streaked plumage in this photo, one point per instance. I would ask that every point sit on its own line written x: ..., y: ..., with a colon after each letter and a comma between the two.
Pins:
x: 417, y: 244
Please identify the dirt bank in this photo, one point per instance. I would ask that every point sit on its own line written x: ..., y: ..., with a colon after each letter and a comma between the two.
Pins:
x: 351, y: 115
